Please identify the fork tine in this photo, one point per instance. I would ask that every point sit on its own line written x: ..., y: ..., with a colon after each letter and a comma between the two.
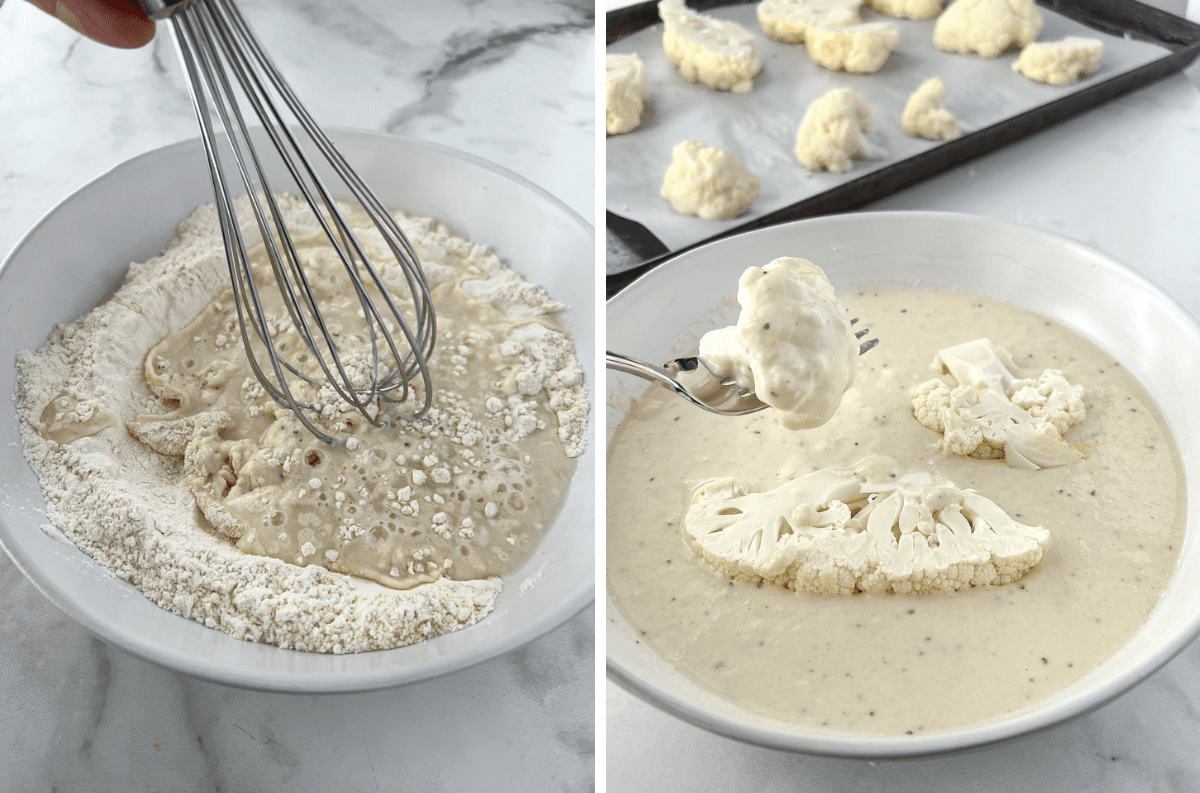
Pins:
x: 858, y: 334
x: 869, y: 344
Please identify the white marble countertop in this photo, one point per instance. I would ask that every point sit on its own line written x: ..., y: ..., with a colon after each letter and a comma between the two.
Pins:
x: 1121, y: 178
x: 510, y: 81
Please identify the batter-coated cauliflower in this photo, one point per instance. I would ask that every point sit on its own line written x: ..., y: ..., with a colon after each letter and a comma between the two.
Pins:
x: 789, y: 20
x: 708, y: 182
x: 987, y: 27
x: 989, y: 412
x: 1062, y: 62
x: 713, y: 52
x: 908, y: 9
x: 870, y: 529
x: 626, y: 89
x: 793, y: 345
x: 924, y: 116
x: 832, y: 132
x: 858, y: 49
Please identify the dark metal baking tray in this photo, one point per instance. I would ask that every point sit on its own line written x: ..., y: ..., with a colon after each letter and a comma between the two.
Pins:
x: 1116, y: 17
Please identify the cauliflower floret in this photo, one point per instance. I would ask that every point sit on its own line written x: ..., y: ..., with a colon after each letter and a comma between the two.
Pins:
x: 987, y: 27
x: 871, y: 529
x: 1060, y: 62
x: 793, y: 345
x: 708, y: 182
x: 991, y: 413
x: 908, y: 9
x: 858, y: 49
x: 929, y: 399
x: 832, y: 132
x: 626, y: 89
x: 713, y: 52
x: 924, y: 116
x: 789, y: 20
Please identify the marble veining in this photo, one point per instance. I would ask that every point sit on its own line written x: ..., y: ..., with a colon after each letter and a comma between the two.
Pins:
x: 506, y: 80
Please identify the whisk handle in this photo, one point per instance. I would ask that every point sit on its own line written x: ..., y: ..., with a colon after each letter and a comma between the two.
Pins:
x: 161, y: 9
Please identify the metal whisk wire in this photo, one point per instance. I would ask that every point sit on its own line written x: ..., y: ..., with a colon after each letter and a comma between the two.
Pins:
x: 215, y: 44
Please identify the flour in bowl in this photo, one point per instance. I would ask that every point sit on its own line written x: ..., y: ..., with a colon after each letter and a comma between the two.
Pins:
x: 383, y: 538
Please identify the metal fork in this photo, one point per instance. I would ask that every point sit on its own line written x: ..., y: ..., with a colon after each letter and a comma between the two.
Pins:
x: 691, y: 379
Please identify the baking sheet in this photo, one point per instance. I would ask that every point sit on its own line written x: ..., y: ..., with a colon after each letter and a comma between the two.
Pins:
x: 991, y: 101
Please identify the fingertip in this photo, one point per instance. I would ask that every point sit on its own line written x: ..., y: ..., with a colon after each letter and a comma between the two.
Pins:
x: 136, y: 35
x: 116, y: 23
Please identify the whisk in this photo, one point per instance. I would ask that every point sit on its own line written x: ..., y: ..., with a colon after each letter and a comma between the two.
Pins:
x: 229, y: 72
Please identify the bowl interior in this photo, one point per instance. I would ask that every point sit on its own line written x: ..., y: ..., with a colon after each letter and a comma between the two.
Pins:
x: 1104, y: 301
x: 79, y: 253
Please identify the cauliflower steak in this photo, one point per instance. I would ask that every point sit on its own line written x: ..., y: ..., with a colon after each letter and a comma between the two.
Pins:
x: 870, y: 529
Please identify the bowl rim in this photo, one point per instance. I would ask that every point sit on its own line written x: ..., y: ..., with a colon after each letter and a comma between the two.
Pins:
x: 973, y: 736
x: 362, y: 674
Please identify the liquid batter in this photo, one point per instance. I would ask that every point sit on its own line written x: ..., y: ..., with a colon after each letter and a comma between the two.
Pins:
x: 898, y: 664
x: 464, y: 492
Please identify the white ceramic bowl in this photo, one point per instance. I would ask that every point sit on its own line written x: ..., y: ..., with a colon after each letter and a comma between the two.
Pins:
x: 1122, y: 312
x: 78, y: 254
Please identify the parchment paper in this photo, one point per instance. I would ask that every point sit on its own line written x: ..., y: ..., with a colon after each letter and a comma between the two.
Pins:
x: 760, y: 127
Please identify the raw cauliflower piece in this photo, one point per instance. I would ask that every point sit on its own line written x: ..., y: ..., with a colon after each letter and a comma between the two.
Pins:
x: 792, y: 345
x: 789, y: 20
x: 626, y: 89
x: 989, y: 412
x: 870, y: 529
x: 1062, y: 62
x: 832, y: 132
x: 924, y: 116
x: 858, y: 49
x: 708, y: 182
x: 908, y: 9
x: 987, y: 27
x: 713, y: 52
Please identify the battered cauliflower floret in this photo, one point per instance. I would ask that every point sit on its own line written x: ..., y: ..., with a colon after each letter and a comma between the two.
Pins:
x: 789, y: 20
x: 626, y: 89
x: 870, y: 529
x: 832, y: 132
x: 708, y: 182
x: 990, y: 413
x: 924, y: 116
x: 713, y: 52
x: 858, y: 49
x: 987, y: 27
x: 1062, y: 62
x: 793, y: 345
x: 908, y: 9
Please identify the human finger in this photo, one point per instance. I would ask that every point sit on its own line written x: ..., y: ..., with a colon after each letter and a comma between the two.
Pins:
x: 117, y: 23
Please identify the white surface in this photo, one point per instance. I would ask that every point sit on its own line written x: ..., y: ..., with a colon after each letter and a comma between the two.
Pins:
x: 1146, y: 331
x: 84, y: 243
x: 760, y: 127
x: 1120, y: 178
x: 80, y: 716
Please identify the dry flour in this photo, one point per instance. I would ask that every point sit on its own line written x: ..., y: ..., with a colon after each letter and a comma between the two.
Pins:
x: 130, y: 509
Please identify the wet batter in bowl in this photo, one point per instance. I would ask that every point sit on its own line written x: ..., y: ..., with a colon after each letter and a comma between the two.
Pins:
x: 910, y: 663
x: 381, y: 539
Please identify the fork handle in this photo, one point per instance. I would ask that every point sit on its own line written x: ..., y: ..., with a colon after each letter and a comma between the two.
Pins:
x: 646, y: 371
